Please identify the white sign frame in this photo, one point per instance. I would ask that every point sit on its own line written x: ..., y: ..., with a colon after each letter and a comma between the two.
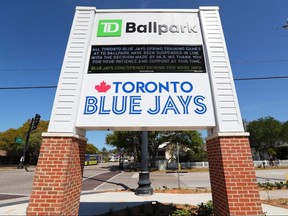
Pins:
x: 71, y: 87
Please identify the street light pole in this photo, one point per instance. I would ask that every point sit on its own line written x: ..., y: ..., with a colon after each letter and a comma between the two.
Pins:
x: 144, y: 175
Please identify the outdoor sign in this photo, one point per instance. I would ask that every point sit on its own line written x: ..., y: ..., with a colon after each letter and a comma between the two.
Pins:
x: 146, y: 71
x: 18, y: 140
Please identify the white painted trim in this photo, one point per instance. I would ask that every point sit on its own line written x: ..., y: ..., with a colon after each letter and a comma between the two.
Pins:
x: 72, y: 135
x: 232, y: 134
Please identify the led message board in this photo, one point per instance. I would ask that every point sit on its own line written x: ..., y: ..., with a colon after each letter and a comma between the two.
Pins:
x: 147, y: 58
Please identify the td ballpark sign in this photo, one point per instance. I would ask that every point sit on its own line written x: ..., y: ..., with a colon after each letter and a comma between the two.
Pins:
x: 113, y: 28
x: 127, y: 90
x: 146, y: 70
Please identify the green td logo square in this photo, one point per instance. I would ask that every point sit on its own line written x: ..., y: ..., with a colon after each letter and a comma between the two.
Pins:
x: 109, y: 28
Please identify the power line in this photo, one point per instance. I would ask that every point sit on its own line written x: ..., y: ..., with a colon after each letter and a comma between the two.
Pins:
x: 30, y: 55
x: 261, y: 78
x: 27, y: 87
x: 260, y: 61
x: 50, y: 87
x: 31, y: 69
x: 232, y: 62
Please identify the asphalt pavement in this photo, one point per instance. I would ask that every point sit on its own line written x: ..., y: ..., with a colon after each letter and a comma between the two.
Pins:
x: 102, y: 191
x: 97, y: 203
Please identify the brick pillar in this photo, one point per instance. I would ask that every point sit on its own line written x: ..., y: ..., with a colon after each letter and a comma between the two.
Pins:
x: 58, y: 177
x: 233, y: 178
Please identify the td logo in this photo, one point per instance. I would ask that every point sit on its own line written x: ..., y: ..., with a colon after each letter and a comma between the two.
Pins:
x: 109, y: 28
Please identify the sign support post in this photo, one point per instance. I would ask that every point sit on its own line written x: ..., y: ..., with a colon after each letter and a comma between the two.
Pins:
x: 144, y: 182
x: 232, y: 176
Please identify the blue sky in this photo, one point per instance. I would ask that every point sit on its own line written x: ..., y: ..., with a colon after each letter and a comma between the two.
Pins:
x: 34, y: 35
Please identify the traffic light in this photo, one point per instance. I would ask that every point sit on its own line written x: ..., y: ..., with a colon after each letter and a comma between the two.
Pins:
x: 36, y: 121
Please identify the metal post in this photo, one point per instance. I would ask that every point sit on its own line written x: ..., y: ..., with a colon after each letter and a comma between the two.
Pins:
x: 22, y: 159
x: 144, y: 175
x: 178, y: 166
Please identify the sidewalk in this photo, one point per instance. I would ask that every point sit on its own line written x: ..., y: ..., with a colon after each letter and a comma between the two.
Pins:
x: 96, y: 203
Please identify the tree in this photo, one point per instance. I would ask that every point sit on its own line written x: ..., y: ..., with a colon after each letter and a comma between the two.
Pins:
x: 191, y: 145
x: 284, y: 132
x: 7, y: 139
x: 265, y: 134
x: 15, y: 150
x: 35, y: 140
x: 130, y: 141
x: 91, y: 149
x: 104, y: 153
x: 34, y: 148
x: 155, y: 139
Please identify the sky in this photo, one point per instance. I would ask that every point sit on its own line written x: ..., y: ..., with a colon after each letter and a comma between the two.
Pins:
x: 34, y: 35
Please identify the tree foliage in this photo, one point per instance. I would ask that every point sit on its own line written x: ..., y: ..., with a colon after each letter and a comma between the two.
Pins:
x: 15, y: 150
x: 91, y: 149
x: 190, y: 145
x: 284, y: 132
x: 265, y: 134
x: 130, y: 141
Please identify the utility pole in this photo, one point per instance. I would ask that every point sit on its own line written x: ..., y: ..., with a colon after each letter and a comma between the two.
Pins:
x: 33, y: 125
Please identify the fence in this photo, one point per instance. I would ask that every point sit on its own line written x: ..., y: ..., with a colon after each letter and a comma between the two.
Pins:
x: 260, y: 163
x: 162, y: 165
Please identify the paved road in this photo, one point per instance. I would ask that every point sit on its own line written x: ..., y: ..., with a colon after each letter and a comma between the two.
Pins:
x: 102, y: 177
x: 16, y: 181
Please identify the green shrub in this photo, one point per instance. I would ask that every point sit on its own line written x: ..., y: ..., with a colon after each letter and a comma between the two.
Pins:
x: 181, y: 212
x: 205, y: 209
x: 279, y: 185
x: 270, y: 186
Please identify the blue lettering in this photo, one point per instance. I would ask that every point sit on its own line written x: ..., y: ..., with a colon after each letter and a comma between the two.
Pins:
x: 115, y: 105
x: 90, y: 105
x: 134, y: 104
x: 175, y: 86
x: 131, y: 88
x: 170, y: 105
x: 198, y: 102
x: 102, y: 110
x: 157, y: 106
x: 161, y: 86
x: 140, y: 86
x: 185, y: 103
x: 189, y: 87
x: 116, y: 87
x: 154, y: 87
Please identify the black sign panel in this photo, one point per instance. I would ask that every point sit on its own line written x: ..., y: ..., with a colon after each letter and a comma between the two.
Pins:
x: 146, y: 58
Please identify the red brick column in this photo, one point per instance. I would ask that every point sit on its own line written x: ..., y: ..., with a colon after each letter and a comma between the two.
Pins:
x: 58, y: 177
x: 233, y: 179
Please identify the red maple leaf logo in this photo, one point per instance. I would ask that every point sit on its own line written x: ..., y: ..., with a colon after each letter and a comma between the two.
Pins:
x: 103, y: 87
